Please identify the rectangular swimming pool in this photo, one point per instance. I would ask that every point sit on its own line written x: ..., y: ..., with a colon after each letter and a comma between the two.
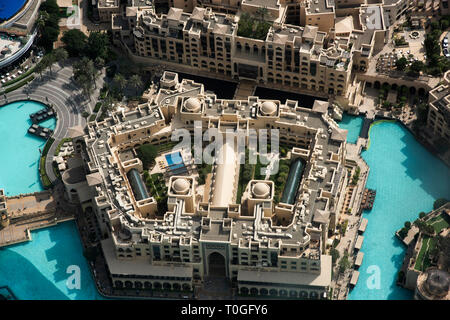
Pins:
x: 176, y: 164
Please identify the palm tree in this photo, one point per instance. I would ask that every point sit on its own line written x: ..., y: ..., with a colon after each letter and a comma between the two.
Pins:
x: 119, y: 81
x: 84, y: 74
x: 99, y: 62
x: 42, y: 20
x: 40, y: 67
x: 61, y: 55
x: 136, y: 82
x: 48, y: 61
x: 95, y: 76
x: 108, y: 103
x: 85, y: 83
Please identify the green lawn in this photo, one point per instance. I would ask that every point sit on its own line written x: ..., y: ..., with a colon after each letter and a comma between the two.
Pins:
x: 423, y: 261
x: 439, y: 223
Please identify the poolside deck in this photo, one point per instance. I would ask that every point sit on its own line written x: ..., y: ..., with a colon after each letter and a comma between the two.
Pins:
x: 359, y: 259
x: 359, y: 242
x: 354, y: 279
x: 31, y: 212
x: 363, y: 226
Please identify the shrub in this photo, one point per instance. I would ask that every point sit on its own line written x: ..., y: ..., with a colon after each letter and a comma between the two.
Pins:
x: 334, y: 255
x: 75, y: 42
x: 18, y: 85
x: 250, y: 27
x: 147, y: 153
x: 97, y: 107
x: 403, y: 233
x: 439, y: 203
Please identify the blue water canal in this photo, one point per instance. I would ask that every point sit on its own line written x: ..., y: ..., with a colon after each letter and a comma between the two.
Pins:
x: 39, y: 269
x: 408, y: 179
x: 406, y: 176
x: 19, y: 161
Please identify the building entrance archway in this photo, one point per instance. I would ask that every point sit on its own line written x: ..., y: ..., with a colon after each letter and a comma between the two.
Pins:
x: 216, y: 265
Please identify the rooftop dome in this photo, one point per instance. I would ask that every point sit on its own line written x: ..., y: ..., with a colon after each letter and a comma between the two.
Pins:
x: 192, y: 104
x: 181, y: 186
x: 260, y: 190
x: 438, y: 282
x: 268, y: 108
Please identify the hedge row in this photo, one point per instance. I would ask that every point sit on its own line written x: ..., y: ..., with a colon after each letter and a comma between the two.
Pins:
x: 22, y: 76
x: 18, y: 85
x: 97, y: 107
x: 46, y: 183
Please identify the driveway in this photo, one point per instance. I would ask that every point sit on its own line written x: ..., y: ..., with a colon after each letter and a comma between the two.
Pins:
x: 58, y: 89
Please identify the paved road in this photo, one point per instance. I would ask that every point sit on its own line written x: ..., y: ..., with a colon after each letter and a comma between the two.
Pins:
x: 57, y: 88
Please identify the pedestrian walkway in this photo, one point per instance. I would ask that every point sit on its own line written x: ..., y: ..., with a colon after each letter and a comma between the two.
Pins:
x: 245, y: 89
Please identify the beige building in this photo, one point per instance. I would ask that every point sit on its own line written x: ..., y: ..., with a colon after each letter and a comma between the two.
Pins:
x: 4, y: 218
x: 290, y: 56
x: 261, y: 246
x: 106, y: 8
x: 434, y: 284
x: 438, y: 120
x: 312, y: 46
x: 427, y: 271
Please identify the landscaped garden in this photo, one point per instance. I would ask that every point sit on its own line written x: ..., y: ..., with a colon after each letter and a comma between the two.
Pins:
x: 253, y: 27
x: 423, y: 258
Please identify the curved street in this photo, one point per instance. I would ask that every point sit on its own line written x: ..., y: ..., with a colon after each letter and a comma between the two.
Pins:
x: 57, y: 88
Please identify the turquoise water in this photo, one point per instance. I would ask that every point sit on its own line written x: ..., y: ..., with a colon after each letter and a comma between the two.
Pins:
x: 407, y: 181
x: 19, y: 149
x: 38, y: 269
x: 353, y: 125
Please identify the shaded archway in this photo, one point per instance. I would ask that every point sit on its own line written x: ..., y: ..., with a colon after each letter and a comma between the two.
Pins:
x: 216, y: 263
x: 244, y: 290
x: 273, y: 292
x: 377, y: 85
x: 421, y: 92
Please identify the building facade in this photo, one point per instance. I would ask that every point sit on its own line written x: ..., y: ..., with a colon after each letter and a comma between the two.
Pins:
x: 261, y: 246
x: 438, y: 119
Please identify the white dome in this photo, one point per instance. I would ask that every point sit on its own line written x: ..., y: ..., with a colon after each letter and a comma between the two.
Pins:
x: 181, y: 186
x: 268, y: 108
x: 260, y: 190
x: 192, y: 104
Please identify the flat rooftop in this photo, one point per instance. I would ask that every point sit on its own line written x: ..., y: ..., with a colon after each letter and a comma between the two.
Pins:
x: 285, y: 277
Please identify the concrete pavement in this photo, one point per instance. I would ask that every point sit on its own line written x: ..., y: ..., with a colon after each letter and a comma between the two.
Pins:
x: 58, y: 89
